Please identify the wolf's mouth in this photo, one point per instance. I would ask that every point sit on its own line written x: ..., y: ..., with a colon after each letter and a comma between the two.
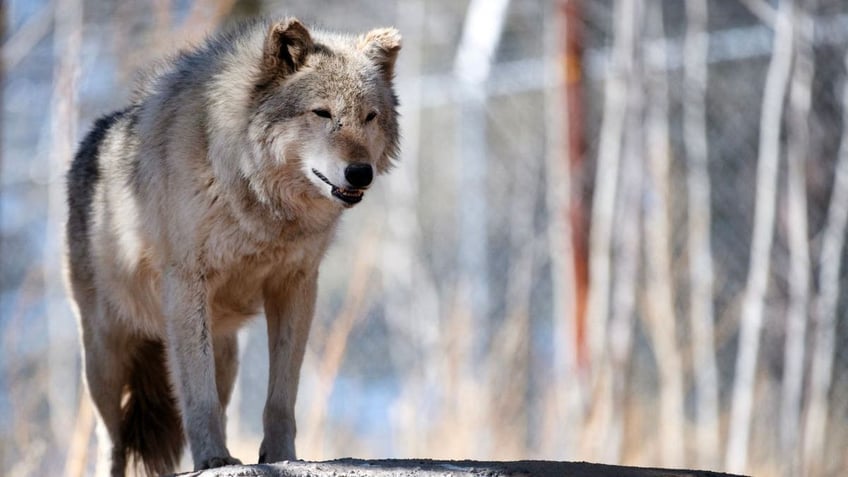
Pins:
x: 348, y: 196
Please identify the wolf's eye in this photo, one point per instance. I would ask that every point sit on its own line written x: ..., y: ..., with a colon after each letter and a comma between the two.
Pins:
x: 371, y: 116
x: 323, y: 113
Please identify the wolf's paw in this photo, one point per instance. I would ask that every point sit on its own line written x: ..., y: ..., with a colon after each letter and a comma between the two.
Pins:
x: 214, y: 462
x: 273, y: 453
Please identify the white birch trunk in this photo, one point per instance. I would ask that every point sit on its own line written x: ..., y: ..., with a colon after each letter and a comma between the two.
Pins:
x: 616, y: 93
x: 411, y: 301
x: 800, y: 96
x: 751, y: 318
x: 63, y: 373
x: 597, y: 443
x: 702, y: 315
x: 625, y: 243
x: 480, y: 37
x: 509, y: 362
x: 660, y: 317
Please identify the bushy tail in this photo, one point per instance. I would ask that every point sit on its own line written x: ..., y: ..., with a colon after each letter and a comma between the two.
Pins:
x: 151, y: 428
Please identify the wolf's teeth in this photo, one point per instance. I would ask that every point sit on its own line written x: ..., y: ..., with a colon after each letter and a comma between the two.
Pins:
x: 352, y: 193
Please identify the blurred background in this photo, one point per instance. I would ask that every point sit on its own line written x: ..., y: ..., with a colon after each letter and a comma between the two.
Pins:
x: 615, y: 233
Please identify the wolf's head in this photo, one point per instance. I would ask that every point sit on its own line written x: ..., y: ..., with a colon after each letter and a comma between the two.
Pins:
x: 324, y: 109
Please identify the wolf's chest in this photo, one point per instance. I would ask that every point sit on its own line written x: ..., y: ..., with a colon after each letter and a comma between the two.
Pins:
x: 236, y: 290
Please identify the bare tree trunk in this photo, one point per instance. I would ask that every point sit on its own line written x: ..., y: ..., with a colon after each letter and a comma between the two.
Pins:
x: 830, y: 259
x: 660, y: 317
x: 600, y: 440
x: 606, y: 177
x: 3, y: 68
x: 626, y: 244
x: 705, y: 369
x: 753, y: 302
x: 352, y: 311
x: 800, y: 95
x: 475, y: 53
x: 80, y: 438
x: 64, y: 377
x: 481, y: 35
x: 510, y: 353
x: 411, y: 301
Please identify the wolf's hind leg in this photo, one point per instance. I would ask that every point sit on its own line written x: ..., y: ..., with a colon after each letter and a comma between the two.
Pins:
x: 105, y: 376
x: 105, y: 382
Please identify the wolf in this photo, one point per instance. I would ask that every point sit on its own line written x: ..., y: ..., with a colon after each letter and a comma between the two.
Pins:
x: 213, y: 197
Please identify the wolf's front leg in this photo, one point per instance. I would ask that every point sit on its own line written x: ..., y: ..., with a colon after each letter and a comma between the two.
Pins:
x: 192, y: 364
x: 289, y: 306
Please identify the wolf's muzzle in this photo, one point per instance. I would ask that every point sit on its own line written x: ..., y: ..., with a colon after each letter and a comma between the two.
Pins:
x: 348, y: 196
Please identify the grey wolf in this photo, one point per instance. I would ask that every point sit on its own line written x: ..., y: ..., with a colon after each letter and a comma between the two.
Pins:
x: 212, y: 197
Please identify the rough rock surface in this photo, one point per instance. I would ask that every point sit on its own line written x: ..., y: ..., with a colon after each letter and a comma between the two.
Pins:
x: 423, y: 467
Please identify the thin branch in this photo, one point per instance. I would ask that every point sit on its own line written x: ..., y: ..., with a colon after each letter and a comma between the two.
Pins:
x: 762, y: 10
x: 763, y: 234
x: 21, y: 43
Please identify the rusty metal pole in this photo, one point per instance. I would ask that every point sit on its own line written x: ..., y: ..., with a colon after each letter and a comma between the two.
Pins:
x: 571, y: 22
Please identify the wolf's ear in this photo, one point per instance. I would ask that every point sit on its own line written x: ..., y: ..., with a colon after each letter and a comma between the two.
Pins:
x: 286, y: 46
x: 382, y: 46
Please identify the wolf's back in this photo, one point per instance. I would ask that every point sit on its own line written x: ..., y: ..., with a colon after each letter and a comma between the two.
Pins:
x: 82, y: 180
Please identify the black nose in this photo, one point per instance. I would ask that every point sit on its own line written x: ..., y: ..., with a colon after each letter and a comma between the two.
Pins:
x: 359, y: 174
